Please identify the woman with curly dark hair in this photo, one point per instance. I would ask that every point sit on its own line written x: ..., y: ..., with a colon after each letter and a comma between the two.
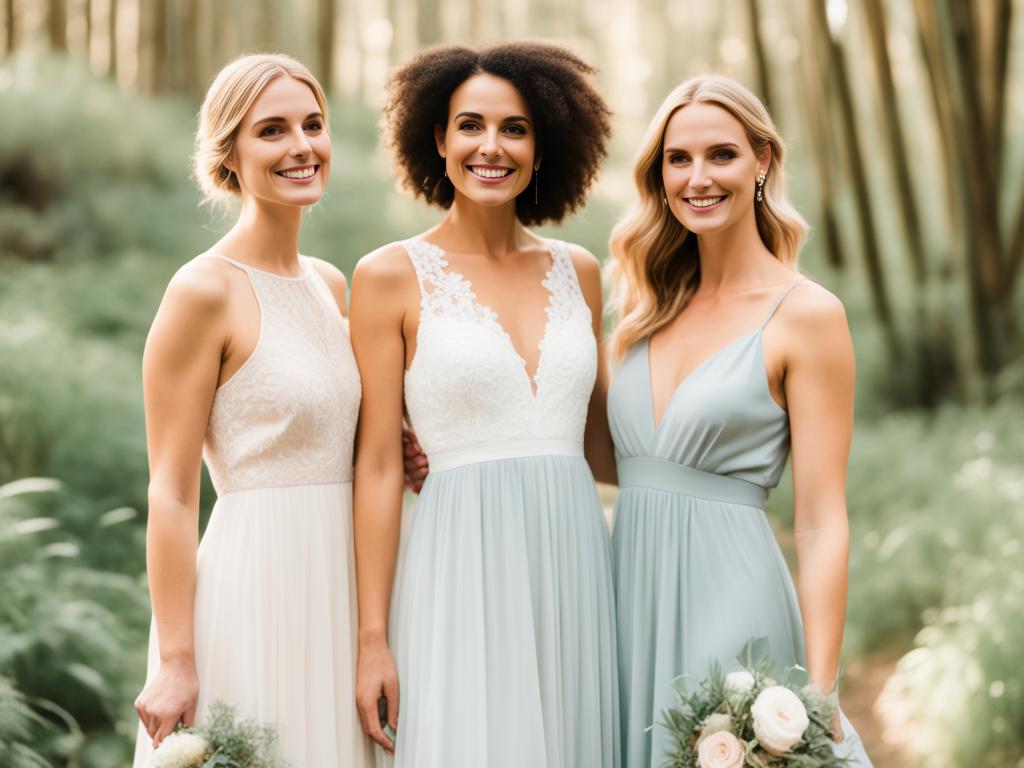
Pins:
x: 502, y: 623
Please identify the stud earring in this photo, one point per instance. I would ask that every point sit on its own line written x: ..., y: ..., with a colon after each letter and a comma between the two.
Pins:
x: 761, y: 176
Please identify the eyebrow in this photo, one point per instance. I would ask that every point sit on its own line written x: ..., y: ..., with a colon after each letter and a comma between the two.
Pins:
x: 712, y: 148
x: 478, y: 116
x: 284, y: 120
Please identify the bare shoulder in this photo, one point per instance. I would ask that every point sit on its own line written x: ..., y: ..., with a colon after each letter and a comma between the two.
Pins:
x: 814, y: 322
x: 588, y: 271
x: 334, y: 278
x: 202, y: 287
x: 388, y: 267
x: 586, y: 263
x: 812, y: 308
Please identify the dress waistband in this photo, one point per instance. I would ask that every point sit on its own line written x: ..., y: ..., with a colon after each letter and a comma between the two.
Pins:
x: 505, y: 449
x: 664, y: 475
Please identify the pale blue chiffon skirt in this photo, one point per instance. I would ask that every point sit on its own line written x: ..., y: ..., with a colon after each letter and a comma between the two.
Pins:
x: 503, y: 624
x: 695, y: 580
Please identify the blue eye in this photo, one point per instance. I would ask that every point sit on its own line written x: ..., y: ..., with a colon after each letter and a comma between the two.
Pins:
x: 724, y: 154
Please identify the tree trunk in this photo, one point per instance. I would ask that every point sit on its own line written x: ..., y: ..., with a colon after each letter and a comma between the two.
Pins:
x: 325, y: 19
x: 11, y: 28
x: 764, y: 80
x: 57, y: 24
x: 112, y: 41
x: 897, y: 145
x: 861, y: 191
x: 815, y: 105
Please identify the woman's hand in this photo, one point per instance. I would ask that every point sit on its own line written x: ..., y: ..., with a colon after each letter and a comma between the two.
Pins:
x: 168, y: 699
x: 415, y: 461
x: 837, y: 728
x: 376, y: 678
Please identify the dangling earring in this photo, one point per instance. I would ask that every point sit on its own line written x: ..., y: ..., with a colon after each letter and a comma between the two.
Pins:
x: 761, y: 175
x: 664, y: 201
x: 536, y: 185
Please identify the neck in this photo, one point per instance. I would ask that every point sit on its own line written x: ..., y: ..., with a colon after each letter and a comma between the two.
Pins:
x: 735, y: 258
x: 491, y: 230
x: 266, y: 236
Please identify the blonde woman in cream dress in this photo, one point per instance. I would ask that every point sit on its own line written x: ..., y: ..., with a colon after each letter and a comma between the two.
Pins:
x: 248, y: 363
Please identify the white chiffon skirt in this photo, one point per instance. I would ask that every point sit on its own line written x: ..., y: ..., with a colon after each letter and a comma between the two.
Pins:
x: 275, y: 621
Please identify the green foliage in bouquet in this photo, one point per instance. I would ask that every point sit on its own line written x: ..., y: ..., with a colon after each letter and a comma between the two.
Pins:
x: 726, y: 708
x: 221, y: 741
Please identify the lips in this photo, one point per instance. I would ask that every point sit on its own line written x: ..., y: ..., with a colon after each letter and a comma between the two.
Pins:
x: 490, y: 172
x: 301, y: 173
x: 704, y: 203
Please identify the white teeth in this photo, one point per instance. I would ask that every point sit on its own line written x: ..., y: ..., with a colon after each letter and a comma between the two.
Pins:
x: 302, y: 173
x: 705, y: 202
x: 492, y: 173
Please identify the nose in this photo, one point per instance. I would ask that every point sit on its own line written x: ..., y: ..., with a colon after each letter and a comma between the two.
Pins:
x: 300, y: 144
x: 490, y: 143
x: 699, y: 178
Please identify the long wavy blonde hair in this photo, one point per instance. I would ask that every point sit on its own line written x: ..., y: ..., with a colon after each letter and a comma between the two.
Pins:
x: 655, y: 265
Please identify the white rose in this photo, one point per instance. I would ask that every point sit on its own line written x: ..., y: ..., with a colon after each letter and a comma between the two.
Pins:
x: 720, y: 750
x: 180, y: 750
x: 739, y: 682
x: 714, y: 723
x: 780, y: 719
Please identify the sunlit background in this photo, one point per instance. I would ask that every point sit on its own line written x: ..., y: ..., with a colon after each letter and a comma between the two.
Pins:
x: 903, y: 120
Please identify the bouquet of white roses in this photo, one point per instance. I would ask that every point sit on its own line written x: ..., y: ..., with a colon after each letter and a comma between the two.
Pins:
x: 220, y: 742
x: 758, y: 717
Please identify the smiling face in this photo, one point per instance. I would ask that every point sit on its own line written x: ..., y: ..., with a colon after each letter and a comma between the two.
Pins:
x: 282, y: 151
x: 709, y: 169
x: 489, y: 143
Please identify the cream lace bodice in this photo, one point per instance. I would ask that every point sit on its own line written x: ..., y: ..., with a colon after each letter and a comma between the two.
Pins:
x: 288, y: 415
x: 468, y: 386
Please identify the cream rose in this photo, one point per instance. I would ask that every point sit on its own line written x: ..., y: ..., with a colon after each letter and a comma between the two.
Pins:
x: 720, y: 750
x: 180, y: 750
x: 780, y: 719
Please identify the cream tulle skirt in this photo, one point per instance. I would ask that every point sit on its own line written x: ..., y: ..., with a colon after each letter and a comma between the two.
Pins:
x: 275, y: 621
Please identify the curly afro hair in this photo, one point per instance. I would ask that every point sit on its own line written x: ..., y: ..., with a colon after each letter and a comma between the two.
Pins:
x: 571, y: 119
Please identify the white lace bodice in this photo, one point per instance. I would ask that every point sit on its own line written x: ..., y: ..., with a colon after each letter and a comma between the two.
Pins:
x: 288, y: 415
x: 467, y: 386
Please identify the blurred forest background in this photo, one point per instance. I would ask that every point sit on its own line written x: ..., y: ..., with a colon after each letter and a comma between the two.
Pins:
x: 904, y: 120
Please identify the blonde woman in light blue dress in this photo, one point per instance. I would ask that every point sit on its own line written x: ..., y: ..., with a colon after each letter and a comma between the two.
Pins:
x: 729, y: 360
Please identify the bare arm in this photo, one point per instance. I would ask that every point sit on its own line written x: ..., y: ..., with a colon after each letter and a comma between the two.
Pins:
x: 181, y: 365
x: 380, y: 290
x: 819, y: 391
x: 597, y: 438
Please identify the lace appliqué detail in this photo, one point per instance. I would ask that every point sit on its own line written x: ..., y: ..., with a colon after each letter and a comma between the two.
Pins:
x: 463, y: 388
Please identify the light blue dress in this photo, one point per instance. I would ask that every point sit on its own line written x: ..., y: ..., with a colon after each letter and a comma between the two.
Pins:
x: 698, y: 571
x: 503, y: 624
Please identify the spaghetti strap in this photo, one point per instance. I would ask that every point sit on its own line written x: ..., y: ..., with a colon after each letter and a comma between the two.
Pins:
x: 778, y: 301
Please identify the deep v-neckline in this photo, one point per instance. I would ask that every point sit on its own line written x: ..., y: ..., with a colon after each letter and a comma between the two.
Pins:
x: 532, y: 380
x: 657, y: 422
